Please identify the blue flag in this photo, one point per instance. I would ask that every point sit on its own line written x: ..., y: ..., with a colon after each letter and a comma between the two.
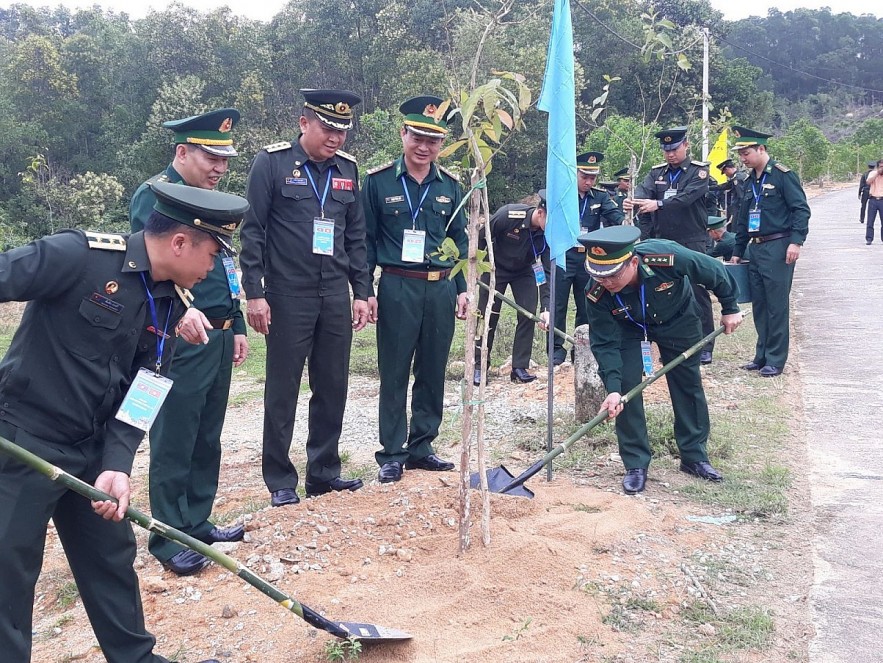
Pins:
x: 558, y: 100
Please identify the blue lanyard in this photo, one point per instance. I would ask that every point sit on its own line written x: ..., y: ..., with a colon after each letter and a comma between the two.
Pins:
x: 536, y: 255
x: 756, y: 194
x: 629, y: 315
x: 582, y: 211
x: 414, y: 213
x: 673, y: 180
x: 160, y: 338
x: 316, y: 191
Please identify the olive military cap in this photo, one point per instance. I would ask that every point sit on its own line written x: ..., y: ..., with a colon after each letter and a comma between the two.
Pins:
x: 726, y: 164
x: 589, y: 162
x: 210, y: 131
x: 716, y: 222
x: 622, y: 174
x: 671, y: 139
x: 609, y: 249
x: 424, y: 116
x: 334, y: 108
x: 749, y: 137
x: 215, y: 212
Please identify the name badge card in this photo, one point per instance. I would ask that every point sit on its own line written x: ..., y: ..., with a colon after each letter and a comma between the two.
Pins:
x: 539, y: 273
x: 669, y: 193
x: 232, y: 277
x: 754, y: 221
x: 413, y: 242
x: 145, y: 397
x: 323, y: 236
x: 646, y: 358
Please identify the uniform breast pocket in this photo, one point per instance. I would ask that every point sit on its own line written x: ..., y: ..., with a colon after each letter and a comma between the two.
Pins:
x: 296, y: 192
x: 442, y: 209
x: 94, y: 332
x: 343, y: 197
x: 397, y: 212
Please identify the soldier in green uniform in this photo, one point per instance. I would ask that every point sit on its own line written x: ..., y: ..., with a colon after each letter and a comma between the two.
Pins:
x: 100, y: 322
x: 521, y: 259
x: 595, y: 207
x: 730, y: 192
x: 774, y: 218
x: 641, y: 294
x: 623, y: 181
x: 722, y: 240
x: 185, y: 440
x: 671, y: 201
x: 409, y: 208
x: 303, y: 247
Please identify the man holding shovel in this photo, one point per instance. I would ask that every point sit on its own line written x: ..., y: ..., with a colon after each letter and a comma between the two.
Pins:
x: 640, y: 294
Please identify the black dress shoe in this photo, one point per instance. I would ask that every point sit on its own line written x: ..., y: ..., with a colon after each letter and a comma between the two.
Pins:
x: 186, y: 562
x: 634, y: 480
x: 704, y: 357
x: 390, y: 472
x: 770, y: 371
x: 336, y: 484
x: 224, y: 534
x: 521, y: 375
x: 431, y: 462
x: 284, y: 496
x: 476, y: 377
x: 703, y: 470
x: 558, y: 357
x: 752, y: 366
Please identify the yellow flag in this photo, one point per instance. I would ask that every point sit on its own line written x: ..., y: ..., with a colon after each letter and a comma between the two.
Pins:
x: 718, y: 155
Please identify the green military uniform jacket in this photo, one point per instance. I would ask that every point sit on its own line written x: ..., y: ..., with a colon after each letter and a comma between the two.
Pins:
x: 782, y: 204
x: 723, y: 248
x: 619, y: 198
x: 683, y: 216
x: 277, y: 233
x: 598, y: 206
x: 86, y: 331
x: 516, y: 246
x: 666, y: 272
x: 388, y: 214
x: 211, y: 295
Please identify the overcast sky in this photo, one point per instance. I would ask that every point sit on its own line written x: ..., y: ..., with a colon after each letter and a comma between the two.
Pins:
x: 265, y: 9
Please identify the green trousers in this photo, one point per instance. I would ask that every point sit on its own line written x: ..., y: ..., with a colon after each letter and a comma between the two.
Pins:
x: 185, y: 440
x: 571, y: 277
x: 770, y: 280
x: 415, y: 328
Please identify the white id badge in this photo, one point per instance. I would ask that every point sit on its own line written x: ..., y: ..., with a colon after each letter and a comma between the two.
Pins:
x: 413, y: 242
x: 754, y: 221
x: 669, y: 193
x: 232, y: 277
x: 323, y: 236
x: 646, y: 358
x: 144, y: 399
x: 539, y: 273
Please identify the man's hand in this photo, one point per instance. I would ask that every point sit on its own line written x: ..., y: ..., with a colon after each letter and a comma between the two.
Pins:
x: 730, y: 321
x: 257, y: 313
x: 613, y: 404
x: 191, y: 327
x: 735, y: 260
x: 544, y: 321
x: 462, y: 305
x: 361, y: 314
x: 372, y: 310
x: 240, y: 349
x: 643, y: 205
x: 792, y: 254
x: 115, y: 484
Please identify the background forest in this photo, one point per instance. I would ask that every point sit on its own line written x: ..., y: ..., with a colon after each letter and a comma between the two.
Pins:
x: 82, y: 94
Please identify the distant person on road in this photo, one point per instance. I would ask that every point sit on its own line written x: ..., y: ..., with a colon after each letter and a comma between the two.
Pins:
x: 774, y: 218
x: 875, y: 201
x: 863, y: 190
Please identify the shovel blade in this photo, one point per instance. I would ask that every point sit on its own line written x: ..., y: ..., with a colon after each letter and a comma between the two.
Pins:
x: 373, y: 633
x: 497, y: 479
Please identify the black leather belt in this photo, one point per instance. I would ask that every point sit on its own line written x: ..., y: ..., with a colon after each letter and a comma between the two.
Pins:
x: 221, y: 323
x: 768, y: 238
x: 437, y: 275
x: 876, y: 197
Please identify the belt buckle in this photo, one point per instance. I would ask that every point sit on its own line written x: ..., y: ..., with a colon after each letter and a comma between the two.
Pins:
x: 433, y: 276
x: 227, y: 324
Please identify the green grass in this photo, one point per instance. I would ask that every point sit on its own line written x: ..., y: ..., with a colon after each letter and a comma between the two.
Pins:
x: 67, y: 594
x: 748, y: 628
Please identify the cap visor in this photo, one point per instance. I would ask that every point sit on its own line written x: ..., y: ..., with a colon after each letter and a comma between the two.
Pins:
x: 604, y: 271
x: 671, y: 146
x: 225, y: 243
x: 220, y: 150
x: 340, y: 125
x: 429, y: 133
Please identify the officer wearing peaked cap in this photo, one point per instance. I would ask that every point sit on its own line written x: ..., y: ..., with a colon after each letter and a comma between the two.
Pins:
x: 409, y: 207
x: 623, y: 182
x: 773, y: 218
x: 595, y: 207
x: 722, y: 240
x: 185, y: 440
x: 303, y: 248
x: 101, y: 312
x: 521, y: 259
x: 638, y: 294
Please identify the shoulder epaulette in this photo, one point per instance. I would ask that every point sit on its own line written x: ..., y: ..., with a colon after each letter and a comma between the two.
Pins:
x: 161, y: 177
x: 659, y: 165
x: 185, y: 296
x: 599, y: 189
x: 277, y: 147
x: 449, y: 173
x: 377, y: 169
x: 106, y: 241
x: 595, y: 293
x: 659, y: 259
x: 517, y: 214
x: 701, y: 163
x: 347, y: 156
x: 783, y: 167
